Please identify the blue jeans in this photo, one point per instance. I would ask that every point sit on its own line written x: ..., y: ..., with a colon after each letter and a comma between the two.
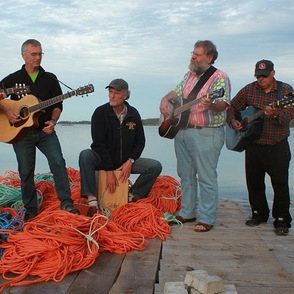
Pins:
x: 25, y: 151
x: 197, y: 152
x: 90, y: 161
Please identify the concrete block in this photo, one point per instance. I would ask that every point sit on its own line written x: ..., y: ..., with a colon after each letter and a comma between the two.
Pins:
x: 207, y: 284
x: 230, y: 289
x: 191, y: 276
x: 175, y: 288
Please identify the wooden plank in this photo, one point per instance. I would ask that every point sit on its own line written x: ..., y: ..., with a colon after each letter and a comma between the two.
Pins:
x: 254, y: 259
x: 43, y: 287
x: 97, y: 279
x: 100, y: 277
x: 139, y: 270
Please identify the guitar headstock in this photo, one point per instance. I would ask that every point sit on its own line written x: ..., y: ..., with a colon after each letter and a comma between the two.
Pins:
x: 85, y: 90
x: 20, y: 90
x: 217, y: 94
x: 286, y: 101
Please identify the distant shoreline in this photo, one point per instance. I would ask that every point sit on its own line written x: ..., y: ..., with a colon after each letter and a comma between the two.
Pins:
x: 146, y: 122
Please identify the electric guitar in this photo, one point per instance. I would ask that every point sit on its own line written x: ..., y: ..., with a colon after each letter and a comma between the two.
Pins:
x: 179, y: 117
x: 29, y: 108
x: 252, y: 125
x: 19, y: 90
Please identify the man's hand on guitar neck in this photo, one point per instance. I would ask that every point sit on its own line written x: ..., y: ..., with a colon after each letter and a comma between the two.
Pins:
x: 270, y: 111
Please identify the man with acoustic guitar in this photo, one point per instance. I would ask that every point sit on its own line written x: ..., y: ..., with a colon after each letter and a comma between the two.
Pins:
x: 200, y: 138
x: 268, y: 153
x: 44, y: 86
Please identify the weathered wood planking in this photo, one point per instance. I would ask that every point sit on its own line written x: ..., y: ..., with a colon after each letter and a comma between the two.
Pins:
x: 139, y: 270
x: 97, y: 279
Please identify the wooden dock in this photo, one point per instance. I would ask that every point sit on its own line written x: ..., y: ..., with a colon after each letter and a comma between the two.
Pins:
x: 255, y: 260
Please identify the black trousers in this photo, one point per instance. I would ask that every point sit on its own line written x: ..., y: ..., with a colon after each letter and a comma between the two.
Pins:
x: 273, y: 160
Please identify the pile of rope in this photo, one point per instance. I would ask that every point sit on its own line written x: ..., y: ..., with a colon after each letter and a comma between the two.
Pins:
x: 56, y: 243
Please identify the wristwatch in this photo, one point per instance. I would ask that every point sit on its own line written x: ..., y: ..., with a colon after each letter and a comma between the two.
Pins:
x: 131, y: 160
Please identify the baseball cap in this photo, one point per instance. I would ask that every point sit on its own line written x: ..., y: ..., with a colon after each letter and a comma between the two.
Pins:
x: 118, y: 84
x: 263, y: 67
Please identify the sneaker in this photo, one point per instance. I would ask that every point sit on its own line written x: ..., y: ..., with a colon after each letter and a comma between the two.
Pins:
x: 281, y: 228
x: 71, y: 209
x: 132, y: 198
x: 255, y: 221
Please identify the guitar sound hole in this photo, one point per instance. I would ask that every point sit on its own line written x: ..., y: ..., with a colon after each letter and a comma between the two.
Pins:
x: 24, y: 113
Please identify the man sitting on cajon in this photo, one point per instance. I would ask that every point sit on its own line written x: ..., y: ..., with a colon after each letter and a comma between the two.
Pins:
x: 118, y: 141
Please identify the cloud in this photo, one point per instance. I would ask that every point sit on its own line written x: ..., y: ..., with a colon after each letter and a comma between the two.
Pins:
x: 146, y: 42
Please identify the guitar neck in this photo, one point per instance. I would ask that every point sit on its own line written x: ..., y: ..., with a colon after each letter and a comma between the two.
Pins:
x: 255, y: 116
x: 187, y: 106
x: 259, y: 113
x: 7, y: 91
x: 52, y: 101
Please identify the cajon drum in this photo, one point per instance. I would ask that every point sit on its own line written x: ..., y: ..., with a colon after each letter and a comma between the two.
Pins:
x: 111, y: 201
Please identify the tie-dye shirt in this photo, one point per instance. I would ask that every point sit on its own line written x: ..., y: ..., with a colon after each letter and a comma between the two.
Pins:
x: 200, y: 115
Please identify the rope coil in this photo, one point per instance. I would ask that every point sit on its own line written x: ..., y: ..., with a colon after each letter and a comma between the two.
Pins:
x: 56, y: 243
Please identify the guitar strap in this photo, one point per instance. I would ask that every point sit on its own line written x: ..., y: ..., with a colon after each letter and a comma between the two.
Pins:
x: 279, y: 86
x: 201, y: 82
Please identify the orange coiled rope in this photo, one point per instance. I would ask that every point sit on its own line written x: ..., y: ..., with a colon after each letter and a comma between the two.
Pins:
x: 165, y: 194
x: 56, y: 243
x: 142, y: 217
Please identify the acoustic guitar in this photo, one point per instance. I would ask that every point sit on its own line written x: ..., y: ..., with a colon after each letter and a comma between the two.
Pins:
x: 252, y: 125
x: 179, y: 117
x: 29, y: 108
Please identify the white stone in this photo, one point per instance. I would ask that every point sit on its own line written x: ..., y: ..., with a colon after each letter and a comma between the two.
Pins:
x: 207, y: 284
x: 191, y: 276
x: 175, y: 288
x: 230, y: 289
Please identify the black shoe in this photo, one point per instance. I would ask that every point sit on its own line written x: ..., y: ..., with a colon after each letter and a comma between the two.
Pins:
x: 255, y: 221
x: 70, y: 208
x: 281, y: 228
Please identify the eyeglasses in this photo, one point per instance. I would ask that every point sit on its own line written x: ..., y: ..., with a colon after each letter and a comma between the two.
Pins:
x: 196, y: 54
x: 261, y: 76
x: 34, y: 54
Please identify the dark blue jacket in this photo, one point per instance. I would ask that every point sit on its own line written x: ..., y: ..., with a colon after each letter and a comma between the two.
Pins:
x: 116, y: 142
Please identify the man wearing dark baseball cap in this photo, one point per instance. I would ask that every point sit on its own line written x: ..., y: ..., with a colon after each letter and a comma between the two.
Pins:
x: 118, y: 141
x: 268, y: 151
x: 263, y: 68
x: 119, y: 85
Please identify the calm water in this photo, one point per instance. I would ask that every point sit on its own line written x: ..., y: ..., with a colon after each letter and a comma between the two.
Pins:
x: 75, y: 138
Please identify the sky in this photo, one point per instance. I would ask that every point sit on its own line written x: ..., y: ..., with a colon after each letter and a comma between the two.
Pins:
x: 145, y: 42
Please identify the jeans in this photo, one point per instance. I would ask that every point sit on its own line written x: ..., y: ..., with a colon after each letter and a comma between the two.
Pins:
x: 197, y: 152
x: 90, y: 161
x: 25, y: 151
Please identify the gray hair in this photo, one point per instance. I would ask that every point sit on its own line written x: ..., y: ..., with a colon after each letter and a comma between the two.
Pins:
x: 209, y: 48
x: 32, y: 42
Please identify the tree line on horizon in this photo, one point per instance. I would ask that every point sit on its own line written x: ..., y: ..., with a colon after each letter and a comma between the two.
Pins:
x: 146, y: 122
